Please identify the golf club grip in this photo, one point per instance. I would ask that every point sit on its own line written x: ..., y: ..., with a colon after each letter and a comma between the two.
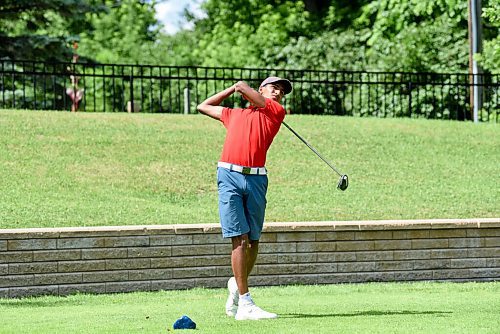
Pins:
x: 312, y: 148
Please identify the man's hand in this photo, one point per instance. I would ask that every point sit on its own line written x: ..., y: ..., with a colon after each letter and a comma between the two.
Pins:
x: 250, y: 94
x: 211, y: 106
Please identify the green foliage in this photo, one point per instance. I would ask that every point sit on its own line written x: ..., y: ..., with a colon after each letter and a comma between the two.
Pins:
x: 42, y: 29
x: 124, y: 34
x: 490, y: 57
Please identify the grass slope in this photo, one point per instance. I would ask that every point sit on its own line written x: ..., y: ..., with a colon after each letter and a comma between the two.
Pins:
x: 87, y: 169
x: 348, y: 308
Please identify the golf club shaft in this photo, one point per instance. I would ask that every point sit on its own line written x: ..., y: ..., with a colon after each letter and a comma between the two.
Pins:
x: 312, y: 148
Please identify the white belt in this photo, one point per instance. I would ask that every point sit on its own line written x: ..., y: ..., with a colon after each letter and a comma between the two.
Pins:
x: 243, y: 169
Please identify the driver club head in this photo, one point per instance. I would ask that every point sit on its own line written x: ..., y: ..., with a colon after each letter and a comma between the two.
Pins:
x: 343, y: 182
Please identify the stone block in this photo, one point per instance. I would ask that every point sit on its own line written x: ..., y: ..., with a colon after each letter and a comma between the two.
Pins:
x: 373, y: 235
x: 226, y: 248
x: 297, y: 279
x: 217, y: 260
x: 105, y: 276
x: 429, y: 243
x: 79, y: 243
x: 135, y: 241
x: 493, y: 262
x: 79, y: 266
x: 211, y: 282
x: 226, y: 271
x: 112, y: 287
x: 263, y: 280
x: 57, y: 255
x: 311, y: 247
x: 413, y: 275
x: 172, y: 262
x: 289, y: 247
x: 149, y: 252
x: 33, y: 291
x: 53, y: 279
x: 374, y: 256
x: 448, y: 233
x: 31, y: 244
x: 296, y: 236
x: 448, y: 253
x: 165, y: 240
x: 67, y: 289
x: 13, y: 257
x: 16, y: 280
x: 392, y: 244
x: 335, y: 278
x: 335, y: 236
x: 483, y: 252
x: 263, y: 258
x: 317, y: 268
x: 376, y: 276
x: 468, y: 263
x: 193, y: 250
x: 194, y: 272
x: 483, y: 232
x: 466, y: 242
x: 295, y: 258
x: 269, y: 237
x: 393, y: 265
x: 32, y: 268
x: 492, y: 242
x: 343, y: 246
x: 117, y: 264
x: 4, y: 293
x: 104, y: 253
x: 149, y: 274
x: 411, y: 254
x: 3, y: 245
x: 174, y: 284
x: 355, y: 267
x: 411, y: 234
x: 447, y: 274
x: 431, y: 264
x: 485, y: 272
x: 276, y: 269
x: 203, y: 239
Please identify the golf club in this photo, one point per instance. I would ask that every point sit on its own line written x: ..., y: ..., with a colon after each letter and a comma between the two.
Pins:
x: 343, y: 181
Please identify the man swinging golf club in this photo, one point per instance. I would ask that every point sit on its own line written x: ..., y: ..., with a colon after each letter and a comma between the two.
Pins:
x: 242, y: 180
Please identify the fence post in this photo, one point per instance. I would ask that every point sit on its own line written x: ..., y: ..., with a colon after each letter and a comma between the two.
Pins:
x: 187, y: 102
x: 409, y: 93
x: 132, y: 104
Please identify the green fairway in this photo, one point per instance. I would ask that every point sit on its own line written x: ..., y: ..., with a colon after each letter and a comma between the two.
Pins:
x: 88, y: 169
x: 349, y: 308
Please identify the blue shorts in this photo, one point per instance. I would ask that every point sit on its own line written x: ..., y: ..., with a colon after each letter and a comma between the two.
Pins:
x: 242, y: 203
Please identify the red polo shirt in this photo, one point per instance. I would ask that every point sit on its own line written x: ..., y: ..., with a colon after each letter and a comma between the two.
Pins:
x: 250, y: 132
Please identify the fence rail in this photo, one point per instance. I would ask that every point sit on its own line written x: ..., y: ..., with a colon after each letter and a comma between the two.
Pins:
x: 173, y: 89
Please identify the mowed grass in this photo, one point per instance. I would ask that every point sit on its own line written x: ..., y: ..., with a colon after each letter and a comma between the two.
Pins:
x: 348, y: 308
x: 89, y: 169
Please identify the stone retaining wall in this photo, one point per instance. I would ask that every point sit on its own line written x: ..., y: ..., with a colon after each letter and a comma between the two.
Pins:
x: 143, y: 258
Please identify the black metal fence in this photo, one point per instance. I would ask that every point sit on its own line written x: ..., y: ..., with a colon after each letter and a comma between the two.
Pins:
x: 173, y: 89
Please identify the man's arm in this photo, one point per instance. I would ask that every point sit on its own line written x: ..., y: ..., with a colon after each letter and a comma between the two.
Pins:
x: 211, y: 106
x: 250, y: 94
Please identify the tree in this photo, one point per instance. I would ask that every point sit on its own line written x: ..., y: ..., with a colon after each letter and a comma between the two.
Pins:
x: 490, y: 57
x: 123, y: 34
x: 43, y: 29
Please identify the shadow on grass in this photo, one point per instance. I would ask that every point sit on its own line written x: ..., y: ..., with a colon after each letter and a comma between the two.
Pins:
x: 361, y: 314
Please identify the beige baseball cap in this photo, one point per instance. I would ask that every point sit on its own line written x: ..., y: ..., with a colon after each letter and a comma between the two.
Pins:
x: 286, y: 83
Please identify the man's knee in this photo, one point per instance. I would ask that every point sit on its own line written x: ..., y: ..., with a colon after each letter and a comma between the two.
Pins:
x: 240, y: 241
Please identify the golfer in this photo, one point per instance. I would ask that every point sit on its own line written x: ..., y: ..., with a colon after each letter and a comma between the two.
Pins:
x: 242, y: 180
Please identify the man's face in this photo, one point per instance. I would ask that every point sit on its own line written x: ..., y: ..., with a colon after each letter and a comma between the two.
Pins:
x: 273, y: 91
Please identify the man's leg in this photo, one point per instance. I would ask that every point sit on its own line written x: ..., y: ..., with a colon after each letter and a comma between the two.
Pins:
x: 243, y: 257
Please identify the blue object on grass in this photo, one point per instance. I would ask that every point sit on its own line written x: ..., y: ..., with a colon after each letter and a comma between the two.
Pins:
x: 184, y: 322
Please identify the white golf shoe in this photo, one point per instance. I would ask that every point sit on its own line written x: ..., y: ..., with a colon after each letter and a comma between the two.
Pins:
x: 232, y: 299
x: 250, y: 311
